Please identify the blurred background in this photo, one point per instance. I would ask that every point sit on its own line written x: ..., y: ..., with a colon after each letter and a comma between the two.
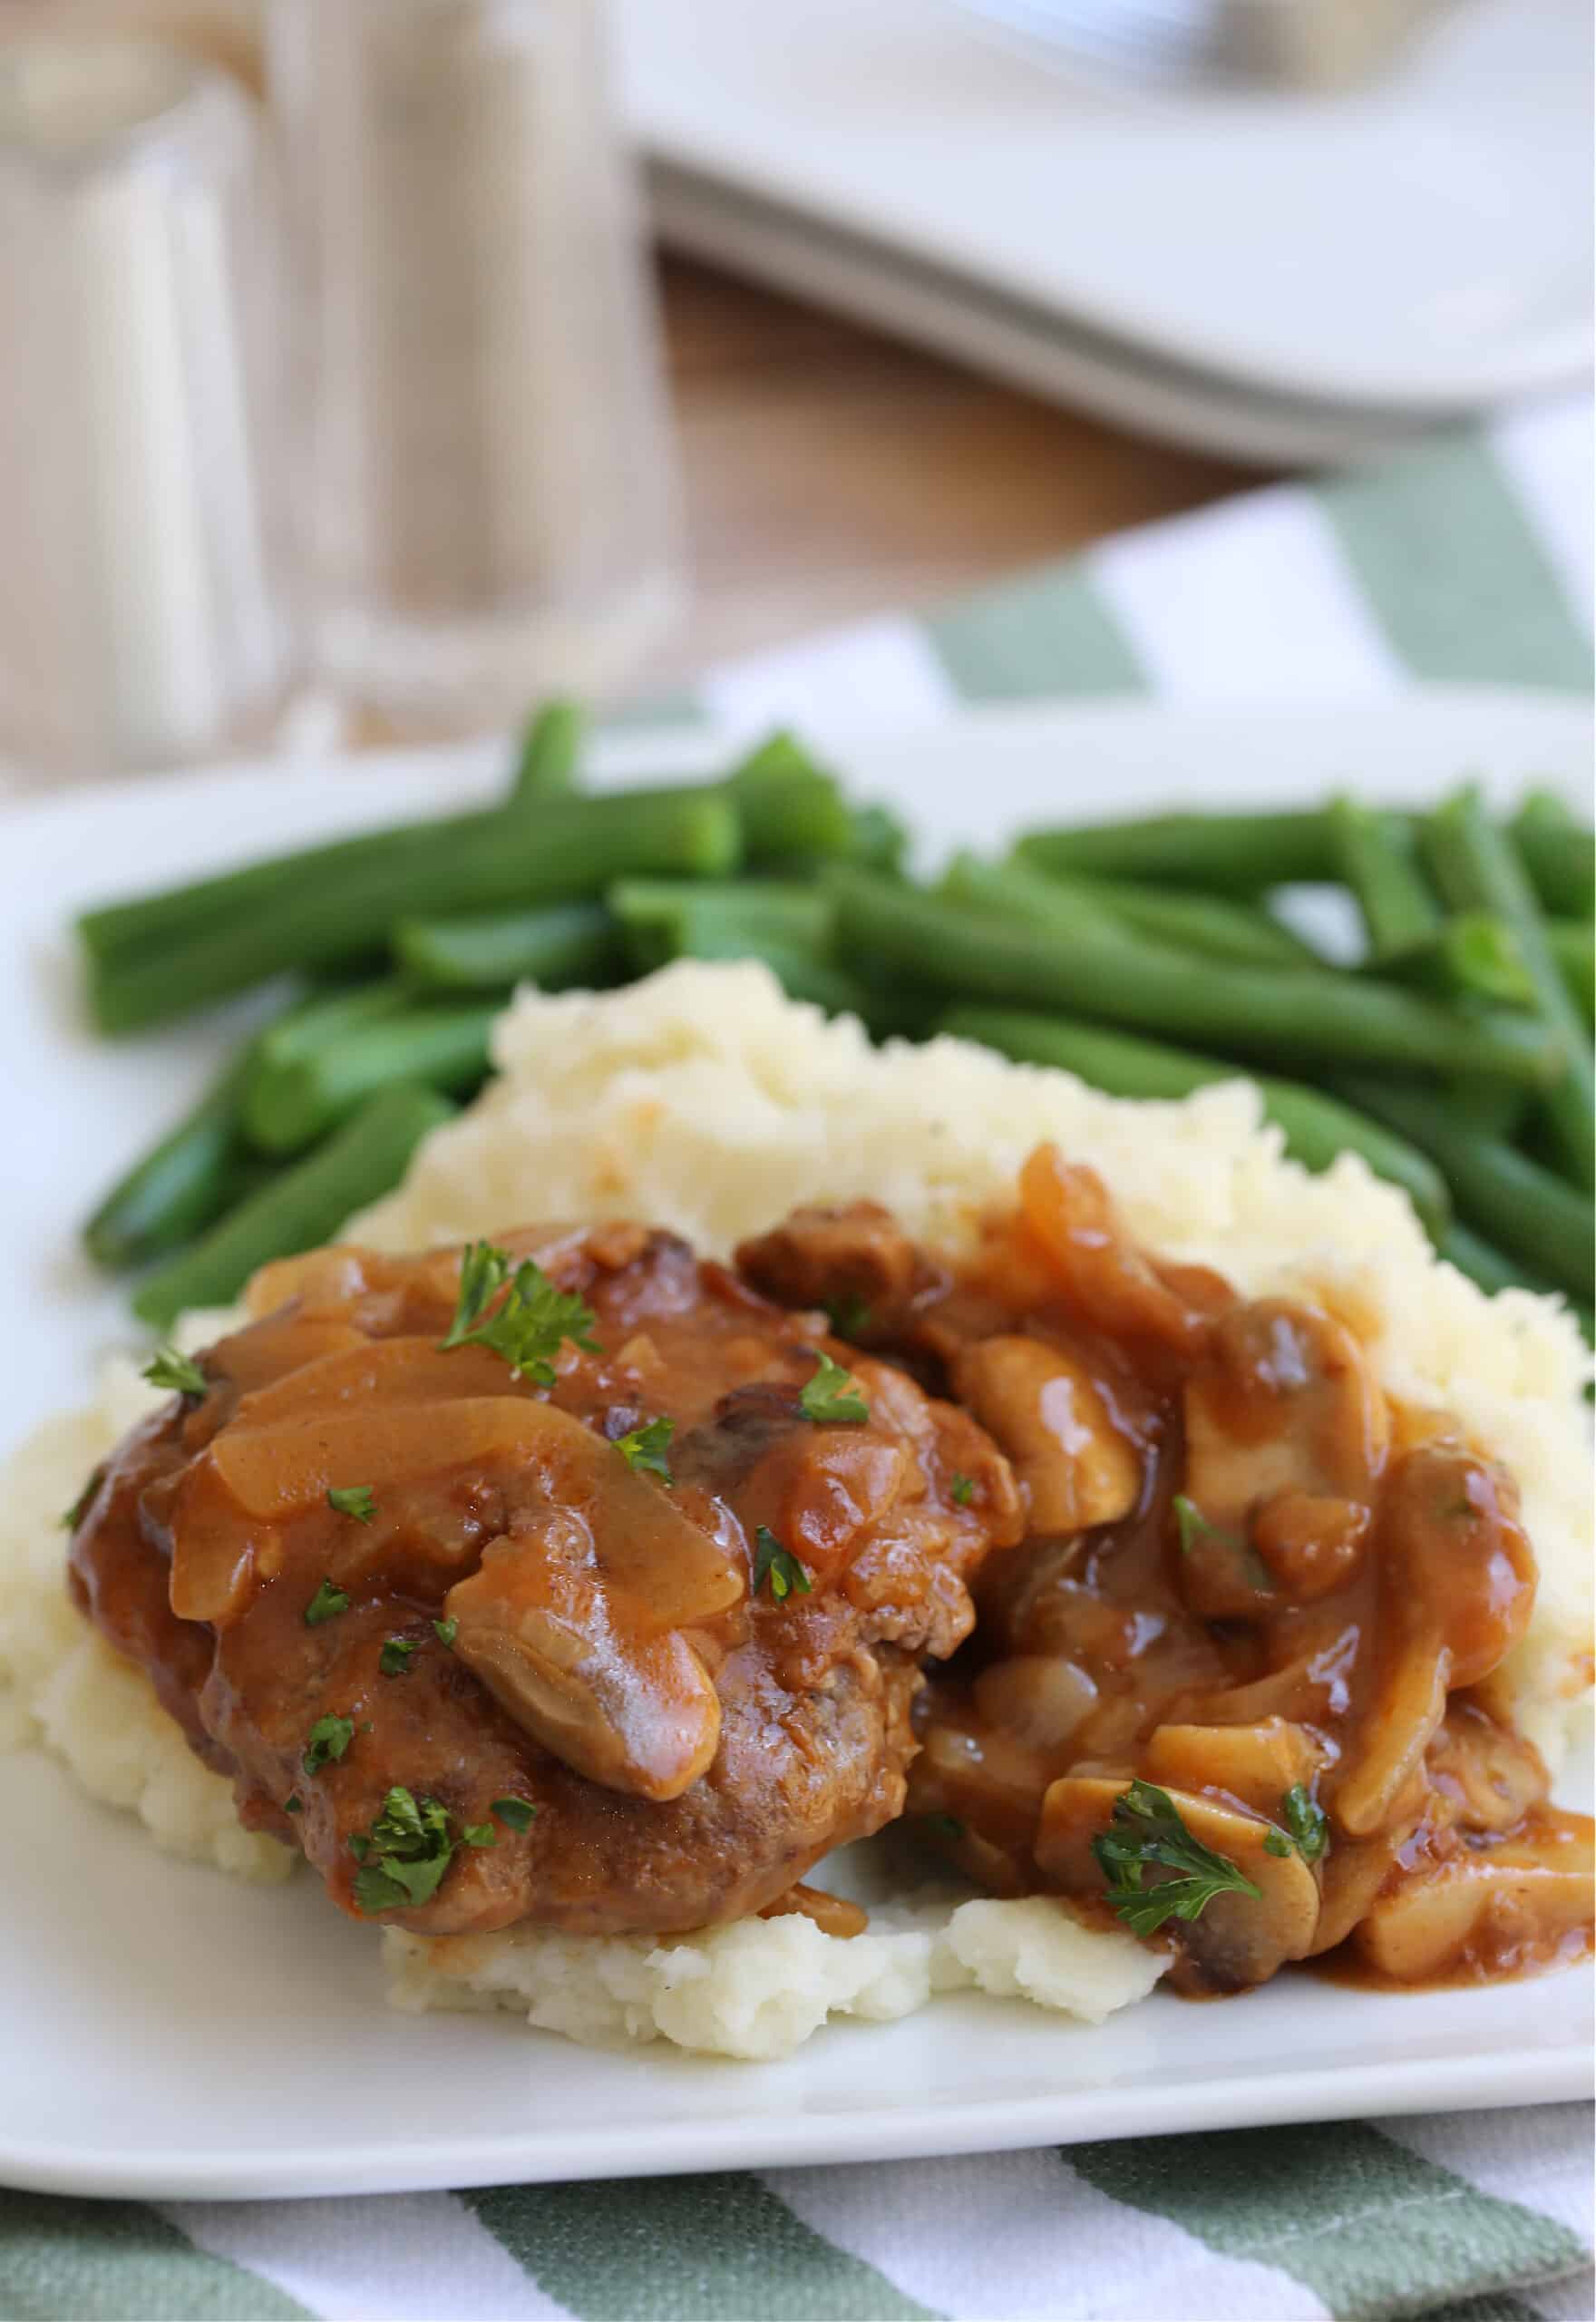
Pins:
x: 371, y: 367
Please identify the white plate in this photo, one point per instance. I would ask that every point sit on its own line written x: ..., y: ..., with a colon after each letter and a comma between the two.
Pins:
x: 1013, y: 339
x: 168, y: 2034
x: 1421, y: 246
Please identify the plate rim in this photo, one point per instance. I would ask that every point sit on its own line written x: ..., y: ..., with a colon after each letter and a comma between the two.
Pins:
x: 997, y: 2124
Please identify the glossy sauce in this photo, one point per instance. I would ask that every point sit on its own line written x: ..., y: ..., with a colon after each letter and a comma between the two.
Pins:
x: 1246, y: 1575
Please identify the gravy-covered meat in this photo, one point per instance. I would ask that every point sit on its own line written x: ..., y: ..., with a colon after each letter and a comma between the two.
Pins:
x: 576, y: 1583
x: 1237, y: 1681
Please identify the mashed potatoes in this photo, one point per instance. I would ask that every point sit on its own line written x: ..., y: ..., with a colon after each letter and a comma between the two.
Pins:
x: 705, y: 1101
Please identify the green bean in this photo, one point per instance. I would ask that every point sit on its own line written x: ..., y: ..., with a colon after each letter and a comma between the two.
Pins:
x: 788, y: 806
x: 550, y: 746
x: 1477, y: 868
x: 561, y: 945
x: 669, y: 918
x: 1277, y: 1011
x: 328, y: 1015
x: 177, y: 1188
x: 1483, y: 1263
x: 298, y: 1210
x: 1229, y: 853
x: 1015, y: 891
x: 566, y: 851
x: 1559, y: 853
x: 194, y: 1173
x: 1511, y: 1200
x: 1211, y: 925
x: 878, y: 839
x: 1317, y: 1129
x: 1376, y: 858
x: 286, y: 1107
x: 1574, y: 946
x: 1471, y: 955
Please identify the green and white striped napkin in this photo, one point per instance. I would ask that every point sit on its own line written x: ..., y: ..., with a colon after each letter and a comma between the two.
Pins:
x: 1470, y: 560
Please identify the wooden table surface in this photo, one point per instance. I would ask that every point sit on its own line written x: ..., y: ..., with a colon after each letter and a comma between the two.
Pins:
x: 830, y: 473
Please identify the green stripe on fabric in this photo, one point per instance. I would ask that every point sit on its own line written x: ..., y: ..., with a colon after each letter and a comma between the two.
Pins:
x: 681, y: 709
x: 1047, y: 633
x: 1454, y: 573
x: 118, y: 2262
x: 1366, y: 2224
x: 715, y: 2249
x: 1496, y: 2306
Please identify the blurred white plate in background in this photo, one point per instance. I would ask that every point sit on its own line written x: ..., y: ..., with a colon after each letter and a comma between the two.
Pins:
x: 1387, y: 257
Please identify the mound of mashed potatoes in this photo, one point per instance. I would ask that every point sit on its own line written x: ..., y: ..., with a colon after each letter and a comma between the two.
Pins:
x: 704, y: 1100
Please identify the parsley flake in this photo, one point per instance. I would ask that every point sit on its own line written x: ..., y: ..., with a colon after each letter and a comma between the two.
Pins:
x: 295, y: 1805
x: 479, y: 1834
x: 830, y: 1397
x: 403, y: 1855
x: 776, y: 1565
x: 645, y: 1447
x: 518, y: 1813
x: 328, y: 1602
x: 75, y: 1514
x: 848, y: 1315
x: 446, y: 1632
x: 1194, y: 1530
x: 1307, y: 1823
x: 353, y: 1499
x: 327, y: 1739
x: 962, y: 1490
x: 528, y: 1326
x: 180, y: 1372
x: 394, y: 1659
x: 1147, y: 1832
x: 1194, y: 1526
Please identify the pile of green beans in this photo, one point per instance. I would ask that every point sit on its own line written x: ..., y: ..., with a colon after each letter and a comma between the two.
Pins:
x: 1147, y: 957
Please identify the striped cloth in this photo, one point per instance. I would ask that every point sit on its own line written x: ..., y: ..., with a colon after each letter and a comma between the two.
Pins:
x: 1469, y: 560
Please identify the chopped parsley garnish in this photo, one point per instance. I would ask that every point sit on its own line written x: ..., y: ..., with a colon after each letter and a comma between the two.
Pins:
x: 848, y: 1315
x: 181, y: 1373
x: 479, y: 1834
x: 394, y: 1659
x: 1307, y: 1824
x: 403, y: 1855
x: 80, y: 1507
x: 1194, y: 1526
x: 446, y: 1632
x: 528, y: 1328
x: 1195, y: 1529
x: 778, y: 1566
x: 962, y: 1490
x: 328, y: 1602
x: 294, y: 1805
x: 327, y: 1738
x: 1145, y: 1833
x: 518, y: 1813
x: 946, y: 1826
x: 830, y: 1397
x: 353, y: 1499
x: 645, y: 1447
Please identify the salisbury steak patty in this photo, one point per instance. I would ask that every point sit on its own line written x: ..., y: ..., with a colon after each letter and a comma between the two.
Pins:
x: 495, y: 1644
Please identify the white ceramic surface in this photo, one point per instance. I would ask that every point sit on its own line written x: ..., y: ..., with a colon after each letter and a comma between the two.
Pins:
x: 1422, y: 245
x: 166, y: 2032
